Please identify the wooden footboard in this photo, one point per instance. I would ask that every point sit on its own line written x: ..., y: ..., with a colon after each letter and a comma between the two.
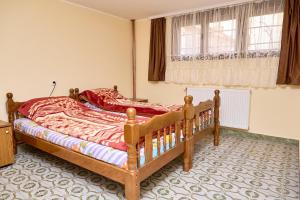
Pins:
x: 206, y: 119
x: 162, y: 128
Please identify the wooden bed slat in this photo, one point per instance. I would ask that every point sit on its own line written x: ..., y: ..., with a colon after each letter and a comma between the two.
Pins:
x: 158, y: 143
x: 170, y: 137
x: 138, y: 154
x: 148, y: 147
x: 177, y: 133
x: 165, y: 139
x: 197, y: 122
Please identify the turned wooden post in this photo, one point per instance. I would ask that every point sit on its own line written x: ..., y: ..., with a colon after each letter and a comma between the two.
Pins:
x: 76, y: 94
x: 115, y: 88
x: 189, y: 113
x: 71, y: 93
x: 217, y: 102
x: 131, y: 131
x: 11, y: 108
x: 131, y: 138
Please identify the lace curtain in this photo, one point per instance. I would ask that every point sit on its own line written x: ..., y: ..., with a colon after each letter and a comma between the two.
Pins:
x: 236, y: 45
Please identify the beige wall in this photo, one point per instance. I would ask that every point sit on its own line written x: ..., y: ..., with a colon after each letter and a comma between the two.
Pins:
x: 46, y: 40
x: 273, y: 111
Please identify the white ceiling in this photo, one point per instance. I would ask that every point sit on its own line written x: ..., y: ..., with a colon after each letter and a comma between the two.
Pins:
x: 138, y: 9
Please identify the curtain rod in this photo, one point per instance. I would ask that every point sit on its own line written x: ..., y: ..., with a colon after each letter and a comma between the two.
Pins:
x: 229, y: 3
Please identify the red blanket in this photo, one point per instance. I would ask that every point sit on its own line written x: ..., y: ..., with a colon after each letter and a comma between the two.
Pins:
x: 111, y: 100
x: 67, y: 116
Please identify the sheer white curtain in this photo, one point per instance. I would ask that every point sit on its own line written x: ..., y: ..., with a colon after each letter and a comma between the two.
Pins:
x: 235, y: 45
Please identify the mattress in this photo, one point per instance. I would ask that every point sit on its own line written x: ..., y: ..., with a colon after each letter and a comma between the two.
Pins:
x: 94, y: 150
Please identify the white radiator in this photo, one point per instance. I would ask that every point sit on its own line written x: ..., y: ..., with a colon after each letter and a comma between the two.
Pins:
x: 235, y: 105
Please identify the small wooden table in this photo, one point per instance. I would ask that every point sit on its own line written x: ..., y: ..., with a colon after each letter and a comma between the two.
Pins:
x: 6, y: 144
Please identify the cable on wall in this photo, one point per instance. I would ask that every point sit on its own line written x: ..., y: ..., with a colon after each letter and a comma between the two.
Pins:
x: 53, y: 88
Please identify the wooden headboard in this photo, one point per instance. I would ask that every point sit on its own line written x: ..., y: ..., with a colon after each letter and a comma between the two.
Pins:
x: 13, y: 106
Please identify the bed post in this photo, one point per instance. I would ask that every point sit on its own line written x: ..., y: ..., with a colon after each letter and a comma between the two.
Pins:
x: 76, y: 94
x: 71, y: 93
x: 11, y: 108
x: 217, y: 102
x: 189, y: 141
x: 131, y: 131
x: 115, y: 88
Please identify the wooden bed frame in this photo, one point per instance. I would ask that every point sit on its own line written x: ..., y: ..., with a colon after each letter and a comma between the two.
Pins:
x: 202, y: 112
x: 157, y: 126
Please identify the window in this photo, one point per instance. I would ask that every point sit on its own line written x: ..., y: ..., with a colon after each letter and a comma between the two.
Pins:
x: 190, y: 40
x: 265, y: 32
x: 222, y: 36
x: 235, y: 31
x: 235, y: 45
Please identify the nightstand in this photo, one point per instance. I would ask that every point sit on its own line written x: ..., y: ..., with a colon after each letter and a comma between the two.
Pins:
x: 6, y: 144
x: 139, y: 100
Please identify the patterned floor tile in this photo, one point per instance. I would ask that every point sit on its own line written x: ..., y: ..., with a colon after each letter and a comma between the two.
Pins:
x: 244, y: 166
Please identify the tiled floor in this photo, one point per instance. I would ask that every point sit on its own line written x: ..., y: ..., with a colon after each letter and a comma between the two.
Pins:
x: 244, y: 166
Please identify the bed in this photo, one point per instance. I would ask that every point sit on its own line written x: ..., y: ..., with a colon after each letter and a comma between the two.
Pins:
x: 181, y: 127
x: 205, y: 119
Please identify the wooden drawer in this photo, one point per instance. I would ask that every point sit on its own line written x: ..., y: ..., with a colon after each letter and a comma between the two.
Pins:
x: 6, y: 146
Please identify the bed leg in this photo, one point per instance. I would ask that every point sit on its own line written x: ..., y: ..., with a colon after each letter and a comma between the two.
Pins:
x: 216, y: 118
x: 188, y: 154
x: 132, y: 187
x: 217, y: 136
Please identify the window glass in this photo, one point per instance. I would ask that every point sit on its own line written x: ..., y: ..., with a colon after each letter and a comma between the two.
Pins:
x: 222, y: 36
x: 265, y: 32
x: 190, y: 40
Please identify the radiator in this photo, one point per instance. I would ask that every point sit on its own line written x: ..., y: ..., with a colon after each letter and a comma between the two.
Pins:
x: 235, y: 105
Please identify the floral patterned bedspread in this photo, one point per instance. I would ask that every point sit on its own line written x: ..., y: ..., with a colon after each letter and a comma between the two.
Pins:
x: 111, y: 100
x: 69, y: 117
